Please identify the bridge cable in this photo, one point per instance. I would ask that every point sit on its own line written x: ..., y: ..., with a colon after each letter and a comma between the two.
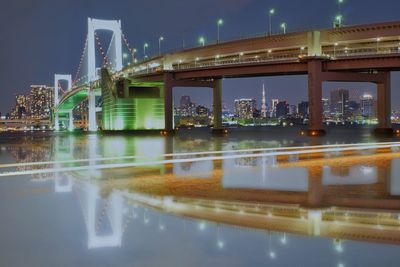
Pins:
x: 131, y: 51
x: 100, y: 47
x: 81, y: 61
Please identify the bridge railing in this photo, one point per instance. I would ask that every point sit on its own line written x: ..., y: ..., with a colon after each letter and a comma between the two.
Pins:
x: 272, y: 58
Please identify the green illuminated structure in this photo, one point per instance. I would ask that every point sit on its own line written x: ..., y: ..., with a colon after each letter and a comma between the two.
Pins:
x: 131, y: 105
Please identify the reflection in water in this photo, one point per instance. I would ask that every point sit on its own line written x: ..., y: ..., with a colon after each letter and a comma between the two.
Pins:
x: 350, y: 195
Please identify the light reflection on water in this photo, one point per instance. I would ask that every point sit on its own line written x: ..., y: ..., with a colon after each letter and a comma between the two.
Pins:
x: 255, y: 211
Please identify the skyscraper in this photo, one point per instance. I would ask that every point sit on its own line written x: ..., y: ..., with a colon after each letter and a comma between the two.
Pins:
x: 245, y: 107
x: 303, y: 109
x: 274, y: 102
x: 282, y: 109
x: 185, y: 101
x: 340, y: 103
x: 263, y: 104
x: 326, y: 108
x: 368, y: 106
x: 40, y: 101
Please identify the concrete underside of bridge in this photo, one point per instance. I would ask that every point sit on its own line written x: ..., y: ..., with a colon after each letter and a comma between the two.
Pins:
x: 130, y: 105
x: 72, y: 101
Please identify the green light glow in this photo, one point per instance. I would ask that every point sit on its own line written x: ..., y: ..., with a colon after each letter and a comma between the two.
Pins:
x: 133, y: 113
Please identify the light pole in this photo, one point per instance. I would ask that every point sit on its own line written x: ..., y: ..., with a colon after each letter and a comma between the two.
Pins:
x: 145, y: 45
x: 159, y: 44
x: 340, y: 2
x: 202, y: 40
x: 271, y: 12
x: 219, y: 24
x: 134, y: 50
x: 283, y: 26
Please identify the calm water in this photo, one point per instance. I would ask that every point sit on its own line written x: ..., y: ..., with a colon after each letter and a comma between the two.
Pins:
x: 125, y: 200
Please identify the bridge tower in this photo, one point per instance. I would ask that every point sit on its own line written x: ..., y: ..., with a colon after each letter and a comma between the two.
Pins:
x: 116, y: 64
x: 109, y: 25
x: 57, y: 79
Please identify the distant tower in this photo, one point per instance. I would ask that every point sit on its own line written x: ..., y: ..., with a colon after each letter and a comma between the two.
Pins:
x: 263, y: 104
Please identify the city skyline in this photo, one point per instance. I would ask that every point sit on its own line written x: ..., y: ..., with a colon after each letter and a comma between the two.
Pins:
x: 281, y: 92
x: 52, y: 55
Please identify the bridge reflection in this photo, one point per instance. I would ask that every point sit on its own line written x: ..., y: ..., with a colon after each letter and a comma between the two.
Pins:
x: 345, y: 195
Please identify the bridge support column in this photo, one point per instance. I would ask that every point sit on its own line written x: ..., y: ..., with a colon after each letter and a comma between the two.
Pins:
x: 92, y: 111
x: 56, y: 122
x: 168, y: 103
x: 71, y: 120
x: 384, y: 106
x: 315, y: 127
x: 217, y: 105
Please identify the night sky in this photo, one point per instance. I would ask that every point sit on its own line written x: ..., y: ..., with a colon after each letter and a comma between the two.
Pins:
x: 40, y: 38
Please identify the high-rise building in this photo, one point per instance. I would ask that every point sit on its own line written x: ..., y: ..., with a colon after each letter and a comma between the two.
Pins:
x: 40, y: 101
x: 340, y: 103
x: 274, y: 102
x: 202, y: 111
x: 368, y: 105
x: 282, y: 109
x: 244, y: 108
x: 303, y: 109
x: 293, y: 110
x: 21, y: 107
x: 185, y: 101
x: 263, y: 104
x: 187, y: 108
x: 326, y: 108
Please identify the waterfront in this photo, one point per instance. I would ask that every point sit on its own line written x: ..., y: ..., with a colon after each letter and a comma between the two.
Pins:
x: 256, y: 197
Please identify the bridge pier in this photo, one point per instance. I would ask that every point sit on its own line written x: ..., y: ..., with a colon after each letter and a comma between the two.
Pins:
x: 56, y: 122
x: 317, y: 75
x: 384, y: 105
x: 92, y: 111
x: 217, y: 106
x: 170, y: 83
x: 315, y: 97
x: 71, y: 120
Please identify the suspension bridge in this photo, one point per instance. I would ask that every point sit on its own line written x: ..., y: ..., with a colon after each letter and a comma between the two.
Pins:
x: 137, y: 95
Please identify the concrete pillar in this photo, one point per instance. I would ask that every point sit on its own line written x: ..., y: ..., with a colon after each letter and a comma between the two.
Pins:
x: 217, y: 105
x: 384, y: 105
x: 71, y: 120
x: 56, y: 122
x: 315, y: 97
x: 92, y: 111
x: 168, y: 102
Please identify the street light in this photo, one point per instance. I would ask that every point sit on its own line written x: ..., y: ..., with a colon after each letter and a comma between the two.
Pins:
x: 134, y: 50
x: 159, y: 44
x: 271, y: 12
x: 219, y: 23
x: 202, y: 40
x: 283, y: 26
x: 340, y: 2
x: 145, y: 45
